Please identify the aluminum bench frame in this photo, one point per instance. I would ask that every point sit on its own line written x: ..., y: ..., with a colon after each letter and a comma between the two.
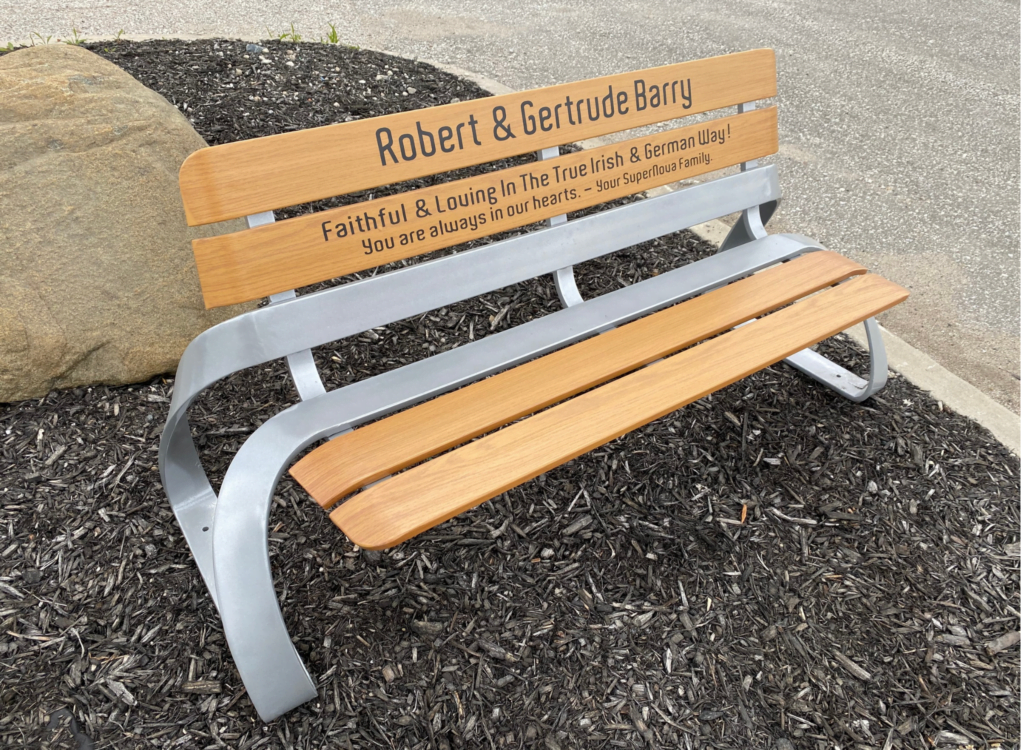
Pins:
x: 228, y: 534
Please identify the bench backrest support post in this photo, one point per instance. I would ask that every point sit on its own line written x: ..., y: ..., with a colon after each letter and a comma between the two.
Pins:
x: 740, y: 109
x: 565, y: 279
x: 750, y: 225
x: 301, y: 366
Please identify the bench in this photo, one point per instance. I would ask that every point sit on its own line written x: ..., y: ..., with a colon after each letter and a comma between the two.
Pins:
x: 415, y: 446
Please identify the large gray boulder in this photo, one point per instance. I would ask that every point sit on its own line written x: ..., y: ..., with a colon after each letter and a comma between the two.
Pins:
x: 97, y: 279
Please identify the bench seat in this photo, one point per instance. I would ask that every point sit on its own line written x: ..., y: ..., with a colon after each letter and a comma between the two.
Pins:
x: 370, y: 453
x: 408, y: 504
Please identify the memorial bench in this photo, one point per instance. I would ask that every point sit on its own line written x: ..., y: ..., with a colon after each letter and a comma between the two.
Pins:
x: 539, y: 393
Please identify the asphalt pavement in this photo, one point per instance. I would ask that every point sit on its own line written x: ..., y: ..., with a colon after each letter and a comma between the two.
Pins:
x: 899, y: 122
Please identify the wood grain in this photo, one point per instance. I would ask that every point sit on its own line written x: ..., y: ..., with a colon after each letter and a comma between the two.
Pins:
x: 422, y: 497
x: 357, y: 458
x: 262, y: 174
x: 307, y: 249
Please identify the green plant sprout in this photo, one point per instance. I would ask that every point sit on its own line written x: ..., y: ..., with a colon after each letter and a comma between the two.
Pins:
x: 332, y: 35
x: 290, y: 36
x: 40, y: 37
x: 75, y: 38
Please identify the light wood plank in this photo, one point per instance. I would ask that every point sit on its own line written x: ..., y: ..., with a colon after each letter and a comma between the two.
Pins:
x: 247, y: 177
x: 306, y: 249
x: 422, y: 497
x: 357, y: 458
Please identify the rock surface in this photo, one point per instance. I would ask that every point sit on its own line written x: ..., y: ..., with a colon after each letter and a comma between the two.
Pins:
x: 97, y: 279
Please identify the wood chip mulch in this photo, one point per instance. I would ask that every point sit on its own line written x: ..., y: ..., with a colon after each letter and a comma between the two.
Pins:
x: 771, y: 567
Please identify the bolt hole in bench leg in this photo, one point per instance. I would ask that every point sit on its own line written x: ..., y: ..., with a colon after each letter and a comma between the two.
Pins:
x: 841, y: 380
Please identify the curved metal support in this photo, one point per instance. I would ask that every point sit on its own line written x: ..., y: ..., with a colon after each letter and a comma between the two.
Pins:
x: 841, y: 380
x: 565, y: 285
x: 750, y: 225
x: 271, y: 668
x: 189, y: 491
x: 305, y: 376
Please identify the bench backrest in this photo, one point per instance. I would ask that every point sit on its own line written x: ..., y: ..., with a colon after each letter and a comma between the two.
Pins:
x: 261, y: 175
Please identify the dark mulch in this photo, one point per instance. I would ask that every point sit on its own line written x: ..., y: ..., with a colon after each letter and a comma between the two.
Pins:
x: 871, y: 599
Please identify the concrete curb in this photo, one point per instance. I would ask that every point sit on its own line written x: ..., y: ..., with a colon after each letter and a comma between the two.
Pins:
x: 487, y: 84
x: 951, y: 391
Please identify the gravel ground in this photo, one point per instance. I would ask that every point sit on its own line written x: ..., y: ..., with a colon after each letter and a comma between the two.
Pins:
x: 771, y: 567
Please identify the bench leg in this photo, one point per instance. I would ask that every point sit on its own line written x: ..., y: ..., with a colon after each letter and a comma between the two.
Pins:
x: 750, y: 227
x: 271, y: 668
x: 191, y: 496
x: 841, y: 380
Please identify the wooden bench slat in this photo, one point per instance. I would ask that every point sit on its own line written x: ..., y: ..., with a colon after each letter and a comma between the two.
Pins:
x: 272, y: 258
x: 422, y: 497
x: 263, y: 174
x: 355, y: 459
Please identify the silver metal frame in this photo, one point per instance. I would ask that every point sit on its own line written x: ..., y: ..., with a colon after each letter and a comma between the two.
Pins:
x: 228, y: 534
